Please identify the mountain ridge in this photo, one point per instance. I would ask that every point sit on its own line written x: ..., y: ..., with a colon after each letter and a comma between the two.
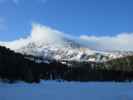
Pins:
x: 58, y: 46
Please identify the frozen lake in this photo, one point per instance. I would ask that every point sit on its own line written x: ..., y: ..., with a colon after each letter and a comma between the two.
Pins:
x: 52, y: 90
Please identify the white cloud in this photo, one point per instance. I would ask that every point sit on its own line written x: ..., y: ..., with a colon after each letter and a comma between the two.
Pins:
x: 40, y: 33
x: 44, y: 34
x: 121, y: 41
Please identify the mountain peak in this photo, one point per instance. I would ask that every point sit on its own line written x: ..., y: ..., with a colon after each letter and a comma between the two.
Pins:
x: 45, y: 34
x: 52, y: 44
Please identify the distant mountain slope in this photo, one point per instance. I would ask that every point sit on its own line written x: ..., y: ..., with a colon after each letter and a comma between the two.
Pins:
x: 65, y: 50
x: 15, y: 66
x: 54, y: 45
x: 49, y: 54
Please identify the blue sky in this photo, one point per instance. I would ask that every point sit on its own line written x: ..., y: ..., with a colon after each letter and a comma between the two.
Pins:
x: 75, y: 17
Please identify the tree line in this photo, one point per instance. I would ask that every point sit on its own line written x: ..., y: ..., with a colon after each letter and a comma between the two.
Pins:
x: 15, y: 67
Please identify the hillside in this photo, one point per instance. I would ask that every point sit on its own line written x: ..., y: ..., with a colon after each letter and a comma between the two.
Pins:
x: 15, y: 66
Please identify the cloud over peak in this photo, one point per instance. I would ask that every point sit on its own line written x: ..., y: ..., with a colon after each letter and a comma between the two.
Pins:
x: 122, y: 41
x: 40, y: 32
x: 45, y: 34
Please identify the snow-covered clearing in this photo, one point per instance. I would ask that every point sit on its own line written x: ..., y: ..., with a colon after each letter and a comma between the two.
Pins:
x: 53, y: 90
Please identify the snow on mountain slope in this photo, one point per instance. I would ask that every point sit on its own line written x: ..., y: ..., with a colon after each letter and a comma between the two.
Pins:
x: 51, y: 44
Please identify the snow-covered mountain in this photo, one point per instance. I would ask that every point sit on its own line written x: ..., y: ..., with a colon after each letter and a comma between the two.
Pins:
x: 69, y: 52
x: 54, y: 45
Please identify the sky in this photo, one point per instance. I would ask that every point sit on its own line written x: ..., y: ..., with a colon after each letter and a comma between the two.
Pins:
x: 99, y: 24
x: 74, y: 17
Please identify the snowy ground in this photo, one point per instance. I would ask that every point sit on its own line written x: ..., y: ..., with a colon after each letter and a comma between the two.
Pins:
x: 52, y: 90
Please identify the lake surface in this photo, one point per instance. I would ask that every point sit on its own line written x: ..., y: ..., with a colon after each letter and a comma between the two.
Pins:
x: 53, y: 90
